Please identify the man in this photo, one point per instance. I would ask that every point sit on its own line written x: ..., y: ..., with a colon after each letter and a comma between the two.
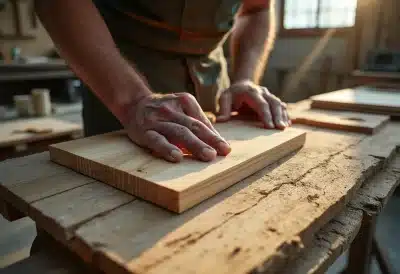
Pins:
x: 153, y: 67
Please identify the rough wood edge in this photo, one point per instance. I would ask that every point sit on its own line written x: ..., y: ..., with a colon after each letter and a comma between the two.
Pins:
x: 336, y: 237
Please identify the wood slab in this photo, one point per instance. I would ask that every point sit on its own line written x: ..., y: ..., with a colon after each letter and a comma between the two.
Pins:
x: 340, y: 120
x: 36, y: 129
x: 336, y: 236
x: 112, y: 158
x: 369, y: 100
x: 254, y: 225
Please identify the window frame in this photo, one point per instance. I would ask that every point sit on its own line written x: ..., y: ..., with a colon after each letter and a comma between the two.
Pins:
x: 307, y: 32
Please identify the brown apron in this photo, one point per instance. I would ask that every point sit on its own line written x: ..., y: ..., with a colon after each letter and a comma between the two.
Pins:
x: 175, y: 44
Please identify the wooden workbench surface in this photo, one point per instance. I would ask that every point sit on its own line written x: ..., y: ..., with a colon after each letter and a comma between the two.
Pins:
x: 259, y: 223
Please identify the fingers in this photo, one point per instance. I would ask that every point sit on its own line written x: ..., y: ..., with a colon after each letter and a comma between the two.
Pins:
x: 203, y: 133
x: 286, y: 116
x: 191, y: 107
x: 258, y: 103
x: 276, y: 110
x: 225, y: 104
x: 180, y: 135
x: 160, y: 146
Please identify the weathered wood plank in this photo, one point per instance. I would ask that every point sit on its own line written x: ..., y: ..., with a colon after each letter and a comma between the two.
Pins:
x: 61, y: 213
x: 301, y: 113
x: 31, y: 178
x: 334, y: 238
x: 152, y: 238
x: 167, y: 237
x: 328, y: 244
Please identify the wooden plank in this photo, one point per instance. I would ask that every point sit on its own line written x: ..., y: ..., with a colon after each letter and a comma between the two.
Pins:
x: 295, y: 200
x: 146, y: 226
x: 339, y: 120
x: 335, y: 238
x: 62, y: 213
x: 31, y: 178
x: 361, y: 99
x: 11, y: 132
x: 124, y: 234
x: 329, y: 243
x: 114, y: 159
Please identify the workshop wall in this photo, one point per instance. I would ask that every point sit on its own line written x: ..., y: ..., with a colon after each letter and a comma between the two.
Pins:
x: 295, y: 65
x: 41, y: 44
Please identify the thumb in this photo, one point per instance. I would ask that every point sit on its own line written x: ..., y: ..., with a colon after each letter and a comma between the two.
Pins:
x: 225, y: 104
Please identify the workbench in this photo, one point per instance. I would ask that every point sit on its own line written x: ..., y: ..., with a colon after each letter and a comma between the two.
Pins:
x: 295, y: 216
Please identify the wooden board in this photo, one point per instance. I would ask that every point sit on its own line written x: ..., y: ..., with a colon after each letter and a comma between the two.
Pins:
x: 360, y: 99
x: 336, y: 236
x: 11, y: 132
x: 254, y: 224
x: 114, y: 159
x: 339, y: 120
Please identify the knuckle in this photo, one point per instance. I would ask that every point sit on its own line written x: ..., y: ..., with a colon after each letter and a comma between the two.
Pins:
x: 187, y: 97
x: 196, y: 126
x: 166, y: 109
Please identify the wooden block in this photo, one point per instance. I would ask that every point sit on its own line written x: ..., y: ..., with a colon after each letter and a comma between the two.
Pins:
x: 114, y: 159
x: 360, y: 99
x: 340, y: 120
x: 30, y: 130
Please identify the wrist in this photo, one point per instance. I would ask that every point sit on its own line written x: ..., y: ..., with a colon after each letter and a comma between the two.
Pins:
x: 123, y: 90
x: 126, y: 100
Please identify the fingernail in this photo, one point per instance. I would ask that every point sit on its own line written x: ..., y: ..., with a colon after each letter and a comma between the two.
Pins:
x: 224, y: 148
x: 271, y: 125
x: 208, y: 153
x: 175, y: 155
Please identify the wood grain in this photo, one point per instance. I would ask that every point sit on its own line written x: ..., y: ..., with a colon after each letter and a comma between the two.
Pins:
x: 31, y: 178
x: 295, y: 200
x: 370, y: 100
x: 21, y: 131
x: 335, y: 237
x: 114, y: 159
x: 256, y: 223
x: 338, y: 120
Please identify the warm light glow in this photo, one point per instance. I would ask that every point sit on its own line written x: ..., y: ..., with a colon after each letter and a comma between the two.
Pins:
x: 319, y: 13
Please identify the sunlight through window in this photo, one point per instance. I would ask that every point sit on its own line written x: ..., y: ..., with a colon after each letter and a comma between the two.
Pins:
x: 306, y: 14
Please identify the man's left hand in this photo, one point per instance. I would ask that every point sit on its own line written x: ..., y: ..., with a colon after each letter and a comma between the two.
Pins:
x: 269, y: 108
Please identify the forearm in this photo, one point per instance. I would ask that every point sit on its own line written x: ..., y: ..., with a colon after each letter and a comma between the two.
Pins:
x: 83, y: 40
x: 252, y: 40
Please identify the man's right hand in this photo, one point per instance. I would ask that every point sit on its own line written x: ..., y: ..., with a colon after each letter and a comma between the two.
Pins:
x: 172, y: 124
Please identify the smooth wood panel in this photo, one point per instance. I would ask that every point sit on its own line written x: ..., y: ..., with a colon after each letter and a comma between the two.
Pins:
x: 11, y: 133
x: 370, y: 100
x: 339, y: 120
x: 114, y: 159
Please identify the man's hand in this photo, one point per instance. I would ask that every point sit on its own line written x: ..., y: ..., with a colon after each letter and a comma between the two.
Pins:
x: 269, y: 108
x: 170, y: 125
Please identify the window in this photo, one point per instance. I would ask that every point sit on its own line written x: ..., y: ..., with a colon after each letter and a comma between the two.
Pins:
x: 317, y: 15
